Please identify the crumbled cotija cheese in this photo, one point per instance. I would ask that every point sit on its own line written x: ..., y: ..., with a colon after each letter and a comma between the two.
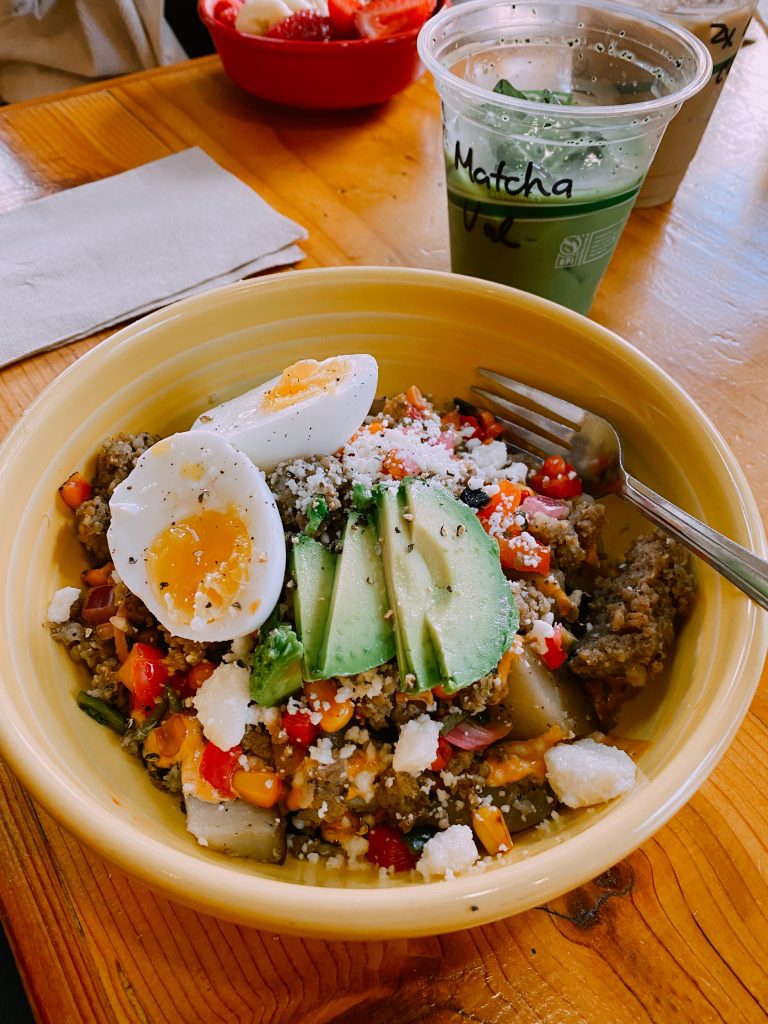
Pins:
x: 540, y: 632
x: 61, y: 604
x: 416, y: 747
x: 322, y: 752
x: 448, y: 852
x: 355, y: 848
x: 240, y: 649
x: 585, y: 772
x: 490, y: 461
x: 222, y: 704
x: 418, y: 443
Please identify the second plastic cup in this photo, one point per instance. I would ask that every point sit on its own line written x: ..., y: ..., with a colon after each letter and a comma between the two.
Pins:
x: 721, y: 25
x: 552, y: 111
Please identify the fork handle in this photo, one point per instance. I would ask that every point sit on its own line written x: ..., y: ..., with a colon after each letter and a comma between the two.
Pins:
x: 744, y: 569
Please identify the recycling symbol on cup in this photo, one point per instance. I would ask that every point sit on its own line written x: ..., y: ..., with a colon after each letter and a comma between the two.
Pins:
x: 568, y: 253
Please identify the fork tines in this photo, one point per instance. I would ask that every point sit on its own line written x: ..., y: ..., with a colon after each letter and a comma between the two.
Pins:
x: 539, y: 434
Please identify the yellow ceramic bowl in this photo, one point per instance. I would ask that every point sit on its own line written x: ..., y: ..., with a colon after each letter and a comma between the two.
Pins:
x: 427, y: 328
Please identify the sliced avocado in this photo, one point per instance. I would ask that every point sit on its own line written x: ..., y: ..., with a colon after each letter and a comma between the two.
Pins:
x: 314, y: 569
x: 358, y: 637
x: 276, y: 666
x: 537, y: 698
x: 473, y: 616
x: 411, y: 593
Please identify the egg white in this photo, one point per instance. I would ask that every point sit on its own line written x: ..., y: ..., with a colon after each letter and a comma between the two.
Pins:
x: 174, y: 480
x: 318, y: 423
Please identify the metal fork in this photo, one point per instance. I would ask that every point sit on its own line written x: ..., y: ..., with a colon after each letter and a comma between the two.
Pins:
x: 591, y: 444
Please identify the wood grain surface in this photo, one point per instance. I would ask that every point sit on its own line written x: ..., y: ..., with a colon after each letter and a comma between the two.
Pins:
x: 679, y: 931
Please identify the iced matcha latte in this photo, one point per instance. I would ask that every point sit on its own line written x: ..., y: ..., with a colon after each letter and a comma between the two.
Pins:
x: 552, y: 112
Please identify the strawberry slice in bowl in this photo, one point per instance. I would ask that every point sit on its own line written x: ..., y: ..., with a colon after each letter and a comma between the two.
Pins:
x: 307, y: 25
x: 342, y: 15
x: 380, y: 19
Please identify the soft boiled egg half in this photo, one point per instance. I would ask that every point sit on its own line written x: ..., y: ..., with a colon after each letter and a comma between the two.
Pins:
x: 196, y: 534
x: 312, y: 408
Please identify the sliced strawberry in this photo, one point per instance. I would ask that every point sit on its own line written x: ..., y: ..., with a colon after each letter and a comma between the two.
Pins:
x: 226, y: 11
x: 381, y: 18
x: 307, y: 25
x: 342, y: 13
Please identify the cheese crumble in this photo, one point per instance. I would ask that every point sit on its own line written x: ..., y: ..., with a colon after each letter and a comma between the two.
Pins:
x: 586, y: 772
x: 223, y: 705
x: 448, y: 853
x: 61, y: 604
x: 416, y: 747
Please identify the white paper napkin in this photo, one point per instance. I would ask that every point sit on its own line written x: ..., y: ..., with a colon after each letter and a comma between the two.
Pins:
x: 87, y: 258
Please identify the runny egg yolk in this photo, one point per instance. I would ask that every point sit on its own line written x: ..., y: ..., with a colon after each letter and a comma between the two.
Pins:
x: 199, y: 565
x: 304, y: 380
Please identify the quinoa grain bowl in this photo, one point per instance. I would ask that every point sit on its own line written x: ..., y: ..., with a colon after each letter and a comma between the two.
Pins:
x: 159, y: 374
x: 367, y: 640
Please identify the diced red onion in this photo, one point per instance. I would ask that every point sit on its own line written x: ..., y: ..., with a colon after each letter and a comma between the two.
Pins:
x: 468, y: 735
x: 99, y: 605
x: 447, y: 439
x: 552, y: 507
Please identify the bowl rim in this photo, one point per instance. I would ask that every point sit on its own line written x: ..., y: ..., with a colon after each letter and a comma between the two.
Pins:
x: 300, y: 45
x: 298, y: 908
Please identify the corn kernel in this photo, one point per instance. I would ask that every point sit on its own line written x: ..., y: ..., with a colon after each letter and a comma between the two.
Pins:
x: 260, y: 788
x: 491, y: 829
x: 322, y: 697
x: 341, y: 829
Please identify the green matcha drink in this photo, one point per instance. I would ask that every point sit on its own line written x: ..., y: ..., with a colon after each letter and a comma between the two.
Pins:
x: 552, y: 112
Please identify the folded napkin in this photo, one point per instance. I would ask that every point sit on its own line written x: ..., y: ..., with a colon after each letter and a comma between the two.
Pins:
x: 84, y: 259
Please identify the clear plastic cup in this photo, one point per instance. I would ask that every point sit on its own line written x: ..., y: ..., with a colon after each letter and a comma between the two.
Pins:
x: 541, y: 179
x: 721, y: 26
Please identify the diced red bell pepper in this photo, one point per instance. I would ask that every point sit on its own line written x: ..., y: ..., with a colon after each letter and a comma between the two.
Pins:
x: 444, y: 755
x: 438, y: 691
x: 388, y: 849
x: 505, y: 501
x: 557, y: 479
x: 398, y: 465
x: 473, y: 423
x: 145, y: 675
x: 555, y: 654
x: 75, y: 490
x: 188, y: 683
x: 524, y: 554
x: 300, y: 728
x: 492, y: 432
x: 217, y: 767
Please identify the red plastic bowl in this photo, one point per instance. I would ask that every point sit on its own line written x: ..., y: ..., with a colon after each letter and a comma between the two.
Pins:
x: 332, y: 75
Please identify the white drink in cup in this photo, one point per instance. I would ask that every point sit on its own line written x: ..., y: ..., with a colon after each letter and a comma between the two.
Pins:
x: 720, y: 25
x: 552, y: 112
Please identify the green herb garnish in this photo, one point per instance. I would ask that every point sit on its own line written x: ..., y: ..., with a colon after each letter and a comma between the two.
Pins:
x: 102, y: 712
x: 316, y: 514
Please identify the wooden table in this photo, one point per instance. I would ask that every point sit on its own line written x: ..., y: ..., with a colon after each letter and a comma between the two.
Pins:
x: 679, y: 931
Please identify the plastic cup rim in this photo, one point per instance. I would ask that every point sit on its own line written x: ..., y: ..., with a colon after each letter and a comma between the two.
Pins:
x: 619, y: 111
